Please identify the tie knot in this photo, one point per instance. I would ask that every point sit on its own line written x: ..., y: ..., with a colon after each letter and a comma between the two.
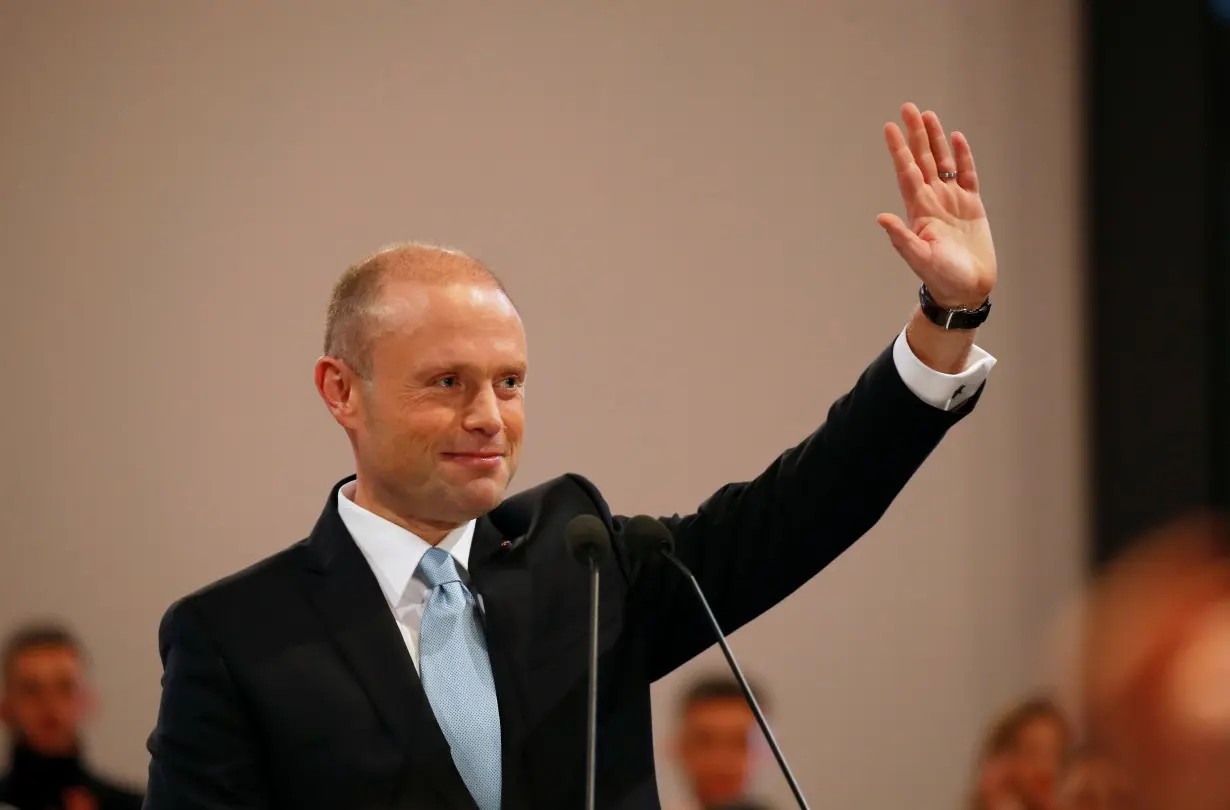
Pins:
x: 439, y: 568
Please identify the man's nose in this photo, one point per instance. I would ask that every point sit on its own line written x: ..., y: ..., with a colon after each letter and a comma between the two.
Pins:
x: 483, y: 413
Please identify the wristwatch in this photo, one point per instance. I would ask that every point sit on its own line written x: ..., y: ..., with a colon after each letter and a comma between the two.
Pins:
x: 960, y: 318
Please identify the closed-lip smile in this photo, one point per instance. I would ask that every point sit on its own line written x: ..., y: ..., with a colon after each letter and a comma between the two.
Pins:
x: 476, y: 459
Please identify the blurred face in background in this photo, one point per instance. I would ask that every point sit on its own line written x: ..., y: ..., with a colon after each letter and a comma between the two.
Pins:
x: 46, y: 699
x: 717, y: 747
x: 1154, y: 664
x: 1035, y: 761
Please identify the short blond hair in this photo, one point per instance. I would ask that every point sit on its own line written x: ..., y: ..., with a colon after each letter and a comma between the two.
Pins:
x: 353, y: 303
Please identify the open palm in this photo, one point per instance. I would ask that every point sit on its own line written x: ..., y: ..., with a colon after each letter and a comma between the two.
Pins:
x: 947, y: 241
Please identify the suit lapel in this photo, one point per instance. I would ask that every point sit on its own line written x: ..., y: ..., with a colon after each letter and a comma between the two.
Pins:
x: 499, y: 573
x: 352, y: 607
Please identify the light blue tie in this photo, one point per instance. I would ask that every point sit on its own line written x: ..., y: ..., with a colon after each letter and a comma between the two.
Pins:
x: 456, y: 675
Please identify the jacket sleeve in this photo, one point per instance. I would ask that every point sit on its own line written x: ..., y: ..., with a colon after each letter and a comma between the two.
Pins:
x: 205, y: 754
x: 752, y: 544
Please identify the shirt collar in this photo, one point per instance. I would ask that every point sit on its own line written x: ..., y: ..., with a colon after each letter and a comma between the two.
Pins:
x: 393, y: 552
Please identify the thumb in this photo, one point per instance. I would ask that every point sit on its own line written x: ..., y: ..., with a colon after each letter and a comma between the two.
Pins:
x: 914, y: 250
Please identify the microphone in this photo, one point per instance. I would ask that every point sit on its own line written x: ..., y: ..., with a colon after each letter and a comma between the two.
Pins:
x: 644, y: 537
x: 589, y: 542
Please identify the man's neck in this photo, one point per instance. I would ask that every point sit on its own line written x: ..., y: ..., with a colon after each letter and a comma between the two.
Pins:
x: 22, y: 750
x: 369, y: 498
x: 33, y: 770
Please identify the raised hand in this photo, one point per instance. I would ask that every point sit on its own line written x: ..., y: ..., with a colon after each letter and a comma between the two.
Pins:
x: 946, y: 239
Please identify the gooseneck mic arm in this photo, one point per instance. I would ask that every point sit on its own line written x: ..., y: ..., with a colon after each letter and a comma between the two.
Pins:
x: 646, y: 536
x: 590, y: 544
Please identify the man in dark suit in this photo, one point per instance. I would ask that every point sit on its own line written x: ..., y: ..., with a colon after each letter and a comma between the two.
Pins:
x: 45, y: 702
x: 424, y: 647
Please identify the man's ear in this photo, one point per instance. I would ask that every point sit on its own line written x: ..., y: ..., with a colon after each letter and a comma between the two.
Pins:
x: 759, y: 750
x: 677, y: 743
x: 90, y: 702
x: 341, y: 390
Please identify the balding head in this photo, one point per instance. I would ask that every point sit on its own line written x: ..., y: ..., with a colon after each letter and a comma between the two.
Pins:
x: 357, y: 304
x: 424, y: 367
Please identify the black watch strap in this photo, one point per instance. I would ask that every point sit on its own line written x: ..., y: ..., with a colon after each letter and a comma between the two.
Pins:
x: 962, y: 318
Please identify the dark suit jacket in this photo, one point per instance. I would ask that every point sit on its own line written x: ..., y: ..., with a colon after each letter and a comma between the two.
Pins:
x: 108, y: 795
x: 288, y: 685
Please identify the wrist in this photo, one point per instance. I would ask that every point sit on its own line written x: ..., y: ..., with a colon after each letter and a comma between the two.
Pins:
x: 944, y: 350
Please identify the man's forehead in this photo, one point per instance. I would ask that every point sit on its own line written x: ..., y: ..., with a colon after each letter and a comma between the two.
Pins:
x: 411, y: 308
x: 43, y: 661
x: 44, y: 654
x: 417, y: 291
x: 719, y: 707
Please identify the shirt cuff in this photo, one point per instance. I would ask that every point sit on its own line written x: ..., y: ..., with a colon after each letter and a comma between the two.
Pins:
x: 944, y: 391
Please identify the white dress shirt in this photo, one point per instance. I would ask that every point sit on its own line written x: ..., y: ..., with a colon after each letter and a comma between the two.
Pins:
x: 394, y: 553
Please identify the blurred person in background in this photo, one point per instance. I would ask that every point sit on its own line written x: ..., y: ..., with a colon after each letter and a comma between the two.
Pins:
x: 1154, y: 666
x: 1022, y: 758
x: 719, y: 745
x: 1094, y: 782
x: 46, y: 701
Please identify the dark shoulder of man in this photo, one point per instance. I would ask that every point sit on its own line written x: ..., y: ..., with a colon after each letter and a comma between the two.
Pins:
x: 111, y: 796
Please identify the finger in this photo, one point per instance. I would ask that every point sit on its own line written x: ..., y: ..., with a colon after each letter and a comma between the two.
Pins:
x: 944, y: 161
x: 967, y: 175
x: 920, y: 144
x: 914, y: 250
x: 909, y: 176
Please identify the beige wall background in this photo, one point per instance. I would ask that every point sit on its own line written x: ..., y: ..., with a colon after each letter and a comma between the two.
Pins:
x: 682, y: 198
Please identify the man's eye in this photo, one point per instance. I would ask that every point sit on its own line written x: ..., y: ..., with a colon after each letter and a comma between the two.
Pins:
x: 447, y: 382
x: 511, y: 382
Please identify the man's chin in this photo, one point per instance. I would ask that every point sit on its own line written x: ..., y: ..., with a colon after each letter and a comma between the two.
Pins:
x: 481, y: 496
x: 57, y: 746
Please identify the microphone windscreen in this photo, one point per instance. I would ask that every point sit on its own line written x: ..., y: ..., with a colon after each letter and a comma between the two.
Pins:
x: 645, y: 536
x: 588, y: 539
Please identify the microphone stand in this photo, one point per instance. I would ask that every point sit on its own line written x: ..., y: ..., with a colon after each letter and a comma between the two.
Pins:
x: 589, y: 543
x: 591, y: 723
x: 734, y: 667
